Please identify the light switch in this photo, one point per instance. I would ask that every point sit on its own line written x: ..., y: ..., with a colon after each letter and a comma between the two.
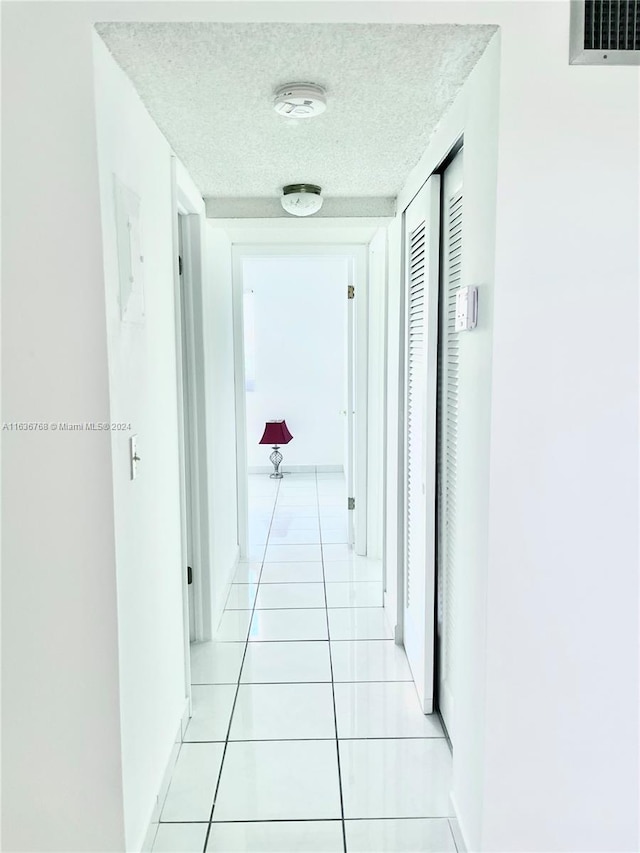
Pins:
x: 466, y: 309
x: 133, y: 456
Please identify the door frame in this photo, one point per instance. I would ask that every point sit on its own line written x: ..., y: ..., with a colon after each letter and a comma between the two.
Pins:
x: 357, y: 254
x: 188, y: 224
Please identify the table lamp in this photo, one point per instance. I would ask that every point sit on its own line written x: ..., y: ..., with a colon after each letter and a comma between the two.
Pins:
x: 276, y: 433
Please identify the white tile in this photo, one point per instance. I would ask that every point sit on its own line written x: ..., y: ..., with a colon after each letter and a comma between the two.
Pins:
x: 359, y: 623
x: 358, y: 594
x: 287, y: 512
x: 296, y: 537
x: 283, y: 595
x: 216, y: 663
x: 234, y: 626
x: 183, y: 837
x: 282, y: 662
x: 298, y: 498
x: 334, y: 537
x: 292, y: 573
x: 211, y: 706
x: 255, y: 553
x: 288, y: 625
x: 383, y: 710
x: 282, y: 524
x: 395, y: 778
x: 241, y: 596
x: 458, y: 837
x: 247, y: 572
x: 369, y: 660
x: 283, y: 712
x: 193, y: 783
x: 337, y: 552
x: 279, y: 780
x: 293, y: 553
x: 411, y: 835
x: 358, y: 570
x: 304, y: 836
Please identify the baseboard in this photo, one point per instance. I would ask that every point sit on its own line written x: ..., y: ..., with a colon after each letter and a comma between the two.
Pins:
x: 298, y: 469
x: 459, y: 835
x: 150, y: 835
x: 216, y: 615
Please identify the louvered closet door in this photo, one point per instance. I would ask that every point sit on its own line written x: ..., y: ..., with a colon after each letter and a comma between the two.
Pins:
x: 421, y: 329
x: 448, y: 376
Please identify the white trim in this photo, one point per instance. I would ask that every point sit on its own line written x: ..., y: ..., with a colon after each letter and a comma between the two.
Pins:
x: 191, y: 207
x: 361, y: 355
x: 240, y: 404
x: 457, y: 827
x: 181, y: 430
x: 357, y: 253
x: 154, y: 820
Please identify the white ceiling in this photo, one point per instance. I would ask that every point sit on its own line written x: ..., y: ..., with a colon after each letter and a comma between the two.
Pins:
x: 209, y: 87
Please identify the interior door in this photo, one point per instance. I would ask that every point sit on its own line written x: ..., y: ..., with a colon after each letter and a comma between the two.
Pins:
x: 422, y: 238
x: 448, y: 380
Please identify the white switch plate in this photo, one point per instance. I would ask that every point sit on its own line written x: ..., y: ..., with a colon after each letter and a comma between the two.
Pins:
x: 466, y: 309
x: 134, y: 459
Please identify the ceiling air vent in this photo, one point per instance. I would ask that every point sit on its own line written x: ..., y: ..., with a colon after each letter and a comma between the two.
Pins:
x: 605, y: 32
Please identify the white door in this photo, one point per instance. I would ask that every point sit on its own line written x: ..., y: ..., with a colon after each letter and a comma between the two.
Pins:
x: 447, y: 579
x: 422, y: 236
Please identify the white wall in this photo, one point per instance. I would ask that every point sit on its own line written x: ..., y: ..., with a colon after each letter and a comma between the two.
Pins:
x: 549, y: 388
x: 142, y: 377
x: 61, y: 764
x: 562, y: 620
x: 300, y: 315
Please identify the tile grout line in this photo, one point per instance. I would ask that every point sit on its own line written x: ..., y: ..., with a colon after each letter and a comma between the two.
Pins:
x: 235, y: 698
x: 333, y: 691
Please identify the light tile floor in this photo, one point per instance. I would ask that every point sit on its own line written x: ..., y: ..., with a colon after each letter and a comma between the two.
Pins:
x: 306, y: 735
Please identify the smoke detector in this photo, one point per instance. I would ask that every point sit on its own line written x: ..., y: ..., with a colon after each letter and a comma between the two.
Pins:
x: 301, y: 199
x: 300, y: 100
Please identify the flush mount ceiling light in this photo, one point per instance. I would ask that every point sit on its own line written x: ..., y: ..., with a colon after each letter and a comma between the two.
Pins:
x: 301, y: 199
x: 300, y: 100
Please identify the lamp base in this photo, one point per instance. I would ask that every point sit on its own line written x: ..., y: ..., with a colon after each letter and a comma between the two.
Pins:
x: 276, y: 460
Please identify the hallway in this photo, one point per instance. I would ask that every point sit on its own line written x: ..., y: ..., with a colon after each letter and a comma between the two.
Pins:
x: 306, y: 732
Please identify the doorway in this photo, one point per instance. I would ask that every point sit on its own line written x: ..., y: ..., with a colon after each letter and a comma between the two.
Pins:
x: 300, y: 328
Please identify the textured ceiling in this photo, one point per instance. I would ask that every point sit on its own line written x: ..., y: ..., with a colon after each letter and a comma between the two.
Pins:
x: 210, y: 89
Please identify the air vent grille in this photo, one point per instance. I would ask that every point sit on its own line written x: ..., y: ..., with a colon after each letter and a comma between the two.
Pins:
x: 612, y: 25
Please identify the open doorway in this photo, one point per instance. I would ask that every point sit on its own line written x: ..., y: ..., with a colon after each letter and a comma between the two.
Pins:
x: 301, y: 343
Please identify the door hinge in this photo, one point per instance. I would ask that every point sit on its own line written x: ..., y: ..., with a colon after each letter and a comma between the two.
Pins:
x: 351, y: 503
x: 189, y: 575
x: 351, y: 292
x: 179, y: 264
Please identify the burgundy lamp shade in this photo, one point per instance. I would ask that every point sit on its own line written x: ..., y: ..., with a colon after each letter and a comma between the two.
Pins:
x: 276, y: 432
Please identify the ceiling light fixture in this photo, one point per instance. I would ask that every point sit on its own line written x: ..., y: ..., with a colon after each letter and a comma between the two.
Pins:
x: 300, y: 100
x: 301, y: 199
